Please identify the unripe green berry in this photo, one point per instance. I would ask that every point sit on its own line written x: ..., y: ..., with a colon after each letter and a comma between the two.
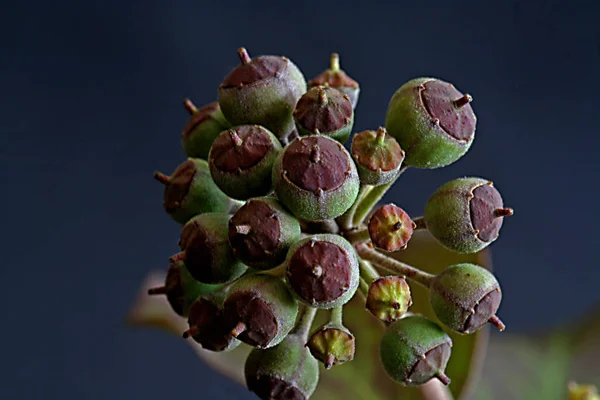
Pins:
x: 264, y: 91
x: 261, y: 232
x: 241, y: 161
x: 206, y: 251
x: 325, y: 111
x: 190, y: 191
x: 286, y: 371
x: 202, y: 128
x: 414, y: 350
x: 433, y: 122
x: 332, y: 344
x: 388, y: 298
x: 465, y: 297
x: 315, y: 178
x: 390, y: 228
x: 338, y: 79
x: 377, y: 155
x: 322, y: 270
x: 465, y: 215
x: 181, y: 288
x: 260, y: 310
x: 208, y: 326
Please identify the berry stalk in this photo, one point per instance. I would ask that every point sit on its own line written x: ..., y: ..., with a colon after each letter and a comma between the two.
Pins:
x: 346, y: 220
x: 357, y: 235
x: 367, y: 252
x: 367, y: 272
x: 305, y: 320
x: 419, y: 223
x: 370, y: 200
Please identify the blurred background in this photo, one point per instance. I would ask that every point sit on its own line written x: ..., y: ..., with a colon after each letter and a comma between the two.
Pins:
x: 91, y: 105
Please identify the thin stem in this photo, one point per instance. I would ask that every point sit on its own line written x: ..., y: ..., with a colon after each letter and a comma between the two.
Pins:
x: 357, y: 235
x: 374, y: 196
x: 305, y: 320
x: 345, y: 221
x: 363, y: 287
x: 420, y: 223
x: 189, y: 106
x: 334, y: 62
x: 278, y: 271
x: 336, y: 315
x: 367, y: 272
x: 370, y: 254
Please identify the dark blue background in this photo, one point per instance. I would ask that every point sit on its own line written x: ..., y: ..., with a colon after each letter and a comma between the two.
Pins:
x: 90, y: 107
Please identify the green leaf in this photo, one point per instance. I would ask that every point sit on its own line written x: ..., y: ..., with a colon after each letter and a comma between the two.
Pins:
x: 363, y: 378
x: 541, y: 365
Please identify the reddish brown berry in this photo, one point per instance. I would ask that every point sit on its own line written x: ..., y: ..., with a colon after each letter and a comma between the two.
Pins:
x: 241, y: 161
x: 433, y: 122
x: 206, y: 251
x: 261, y: 232
x: 378, y: 156
x: 191, y: 191
x: 260, y: 310
x: 325, y: 111
x: 263, y: 90
x: 202, y: 129
x: 466, y: 214
x: 208, y: 326
x: 322, y: 270
x: 315, y: 178
x: 338, y: 79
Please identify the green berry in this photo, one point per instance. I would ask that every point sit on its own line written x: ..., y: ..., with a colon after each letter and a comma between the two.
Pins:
x: 338, y: 79
x: 414, y: 350
x: 286, y: 371
x: 261, y: 232
x: 465, y: 297
x: 466, y: 214
x: 332, y: 344
x: 206, y: 250
x: 260, y: 310
x: 315, y: 178
x: 326, y: 111
x: 208, y: 326
x: 241, y: 161
x: 322, y: 270
x: 191, y: 191
x: 390, y: 228
x: 264, y: 91
x: 433, y: 122
x: 377, y: 155
x: 202, y: 128
x: 388, y: 298
x: 181, y: 288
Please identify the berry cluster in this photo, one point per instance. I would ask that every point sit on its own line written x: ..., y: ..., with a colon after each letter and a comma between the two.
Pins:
x: 279, y: 220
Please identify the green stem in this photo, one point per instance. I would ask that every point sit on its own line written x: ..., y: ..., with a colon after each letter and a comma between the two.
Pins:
x: 357, y: 235
x: 305, y: 320
x: 371, y: 199
x: 345, y: 221
x: 367, y: 272
x: 364, y: 287
x: 420, y: 223
x: 336, y: 315
x: 278, y: 271
x: 368, y: 253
